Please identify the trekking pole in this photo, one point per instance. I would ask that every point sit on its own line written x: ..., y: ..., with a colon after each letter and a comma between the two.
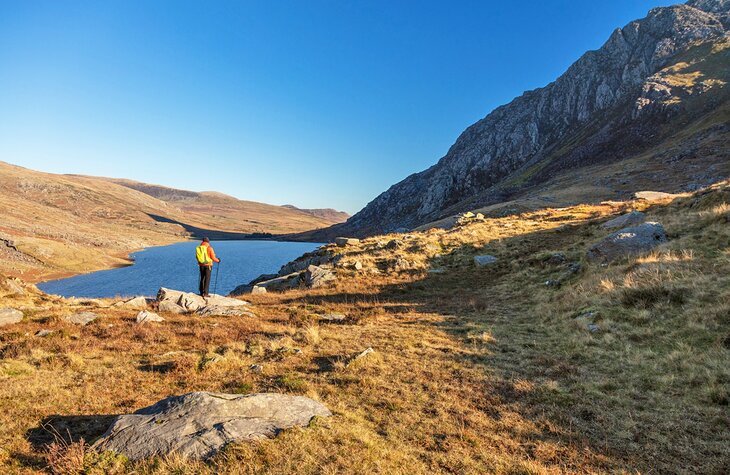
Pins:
x: 215, y: 285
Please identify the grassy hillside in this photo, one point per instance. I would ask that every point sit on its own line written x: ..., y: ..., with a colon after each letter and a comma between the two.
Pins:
x: 622, y: 368
x: 56, y: 225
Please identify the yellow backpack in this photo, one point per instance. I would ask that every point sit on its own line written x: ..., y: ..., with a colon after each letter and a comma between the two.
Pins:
x: 201, y: 254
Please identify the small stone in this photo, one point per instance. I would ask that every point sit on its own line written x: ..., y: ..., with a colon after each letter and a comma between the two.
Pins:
x: 333, y: 317
x: 593, y: 328
x: 169, y: 307
x: 363, y: 354
x: 42, y: 333
x: 484, y: 260
x: 357, y: 265
x: 256, y: 368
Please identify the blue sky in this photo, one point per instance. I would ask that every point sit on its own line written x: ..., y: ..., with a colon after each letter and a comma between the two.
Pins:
x: 313, y: 103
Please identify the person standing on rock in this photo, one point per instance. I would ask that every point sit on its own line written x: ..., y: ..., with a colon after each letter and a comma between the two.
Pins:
x: 205, y: 255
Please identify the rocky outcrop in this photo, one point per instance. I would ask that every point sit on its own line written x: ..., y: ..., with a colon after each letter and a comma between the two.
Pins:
x: 198, y: 425
x: 175, y: 301
x: 628, y: 242
x: 601, y: 108
x: 481, y: 261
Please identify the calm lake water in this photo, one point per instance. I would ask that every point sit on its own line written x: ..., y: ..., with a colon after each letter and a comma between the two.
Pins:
x: 175, y: 267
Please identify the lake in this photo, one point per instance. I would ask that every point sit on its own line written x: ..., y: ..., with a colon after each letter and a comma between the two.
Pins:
x: 175, y: 267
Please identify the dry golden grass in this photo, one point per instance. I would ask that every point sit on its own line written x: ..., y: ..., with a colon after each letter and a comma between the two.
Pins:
x: 475, y: 370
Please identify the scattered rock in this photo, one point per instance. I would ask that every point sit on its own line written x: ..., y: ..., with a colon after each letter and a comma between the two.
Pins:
x: 627, y: 242
x: 593, y: 328
x: 136, y: 303
x: 438, y: 270
x: 10, y: 286
x: 144, y: 317
x: 251, y: 286
x: 394, y: 244
x: 81, y: 318
x: 8, y: 316
x: 316, y: 276
x: 357, y: 265
x: 256, y: 368
x: 333, y: 317
x: 363, y: 354
x: 191, y: 302
x: 629, y: 219
x: 43, y: 333
x: 258, y: 290
x: 653, y: 195
x: 198, y: 425
x: 344, y: 241
x: 484, y: 260
x: 556, y: 259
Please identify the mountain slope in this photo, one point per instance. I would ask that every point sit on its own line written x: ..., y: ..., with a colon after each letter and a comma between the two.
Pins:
x: 612, y: 104
x: 55, y: 225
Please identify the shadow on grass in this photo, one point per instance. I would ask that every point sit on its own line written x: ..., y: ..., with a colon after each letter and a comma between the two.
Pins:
x: 68, y: 429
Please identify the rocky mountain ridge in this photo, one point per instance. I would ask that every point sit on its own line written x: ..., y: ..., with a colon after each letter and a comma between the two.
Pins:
x: 609, y: 105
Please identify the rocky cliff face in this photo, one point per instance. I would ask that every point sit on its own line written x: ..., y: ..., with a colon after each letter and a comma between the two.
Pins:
x: 608, y: 95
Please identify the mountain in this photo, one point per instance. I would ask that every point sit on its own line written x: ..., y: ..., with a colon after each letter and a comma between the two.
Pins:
x: 328, y: 214
x: 647, y: 109
x: 56, y: 225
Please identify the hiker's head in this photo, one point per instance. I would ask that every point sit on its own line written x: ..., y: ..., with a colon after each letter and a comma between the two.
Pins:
x: 205, y: 239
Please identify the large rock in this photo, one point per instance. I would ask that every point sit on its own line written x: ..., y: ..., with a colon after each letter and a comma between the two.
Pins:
x: 629, y: 219
x: 81, y: 318
x: 345, y: 241
x: 136, y: 303
x: 8, y: 316
x: 627, y: 242
x: 197, y: 425
x: 220, y: 301
x: 169, y: 307
x: 9, y: 286
x: 316, y: 276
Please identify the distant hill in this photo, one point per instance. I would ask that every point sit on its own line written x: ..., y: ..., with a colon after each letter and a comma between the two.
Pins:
x: 649, y: 109
x: 325, y: 213
x: 55, y: 225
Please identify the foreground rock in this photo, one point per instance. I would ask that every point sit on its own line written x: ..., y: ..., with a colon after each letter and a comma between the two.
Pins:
x: 633, y: 218
x: 311, y: 277
x: 628, y: 242
x: 198, y: 425
x: 8, y: 316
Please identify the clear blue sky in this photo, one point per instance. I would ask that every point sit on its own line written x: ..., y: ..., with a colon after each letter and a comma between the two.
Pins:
x: 313, y: 103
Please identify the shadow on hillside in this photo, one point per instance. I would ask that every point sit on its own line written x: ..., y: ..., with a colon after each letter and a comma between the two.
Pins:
x: 68, y: 429
x: 213, y: 234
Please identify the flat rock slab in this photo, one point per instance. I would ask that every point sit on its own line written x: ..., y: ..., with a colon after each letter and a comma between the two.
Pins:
x: 81, y: 318
x: 8, y: 316
x: 198, y: 425
x: 653, y: 195
x: 224, y: 311
x: 191, y: 302
x: 629, y: 219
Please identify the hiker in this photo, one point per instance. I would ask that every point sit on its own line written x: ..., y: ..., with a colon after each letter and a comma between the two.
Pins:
x: 205, y: 255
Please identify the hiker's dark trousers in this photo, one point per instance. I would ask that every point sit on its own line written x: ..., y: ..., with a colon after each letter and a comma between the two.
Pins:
x: 204, y: 279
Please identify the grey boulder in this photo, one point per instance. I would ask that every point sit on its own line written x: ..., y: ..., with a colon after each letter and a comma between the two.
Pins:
x: 145, y: 317
x: 81, y: 318
x: 633, y: 218
x: 628, y: 242
x: 345, y: 241
x: 8, y: 316
x: 198, y: 425
x: 136, y: 303
x: 316, y: 276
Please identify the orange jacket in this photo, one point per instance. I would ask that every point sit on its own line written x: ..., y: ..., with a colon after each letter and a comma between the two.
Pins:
x: 211, y: 254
